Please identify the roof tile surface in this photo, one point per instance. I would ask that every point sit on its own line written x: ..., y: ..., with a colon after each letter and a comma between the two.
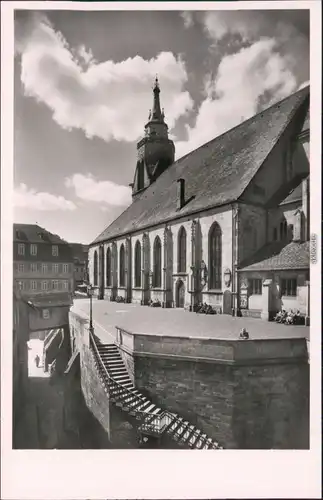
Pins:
x: 279, y: 256
x: 33, y: 233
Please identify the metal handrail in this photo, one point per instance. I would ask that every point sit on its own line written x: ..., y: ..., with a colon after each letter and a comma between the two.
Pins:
x: 157, y: 422
x: 111, y: 380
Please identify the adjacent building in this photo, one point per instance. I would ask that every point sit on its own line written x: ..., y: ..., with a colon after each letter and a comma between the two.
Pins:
x: 42, y: 262
x: 227, y: 224
x: 80, y: 257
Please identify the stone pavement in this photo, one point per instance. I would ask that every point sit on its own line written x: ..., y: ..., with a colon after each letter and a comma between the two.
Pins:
x: 177, y: 322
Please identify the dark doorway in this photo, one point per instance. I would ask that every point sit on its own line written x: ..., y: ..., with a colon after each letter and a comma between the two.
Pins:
x: 227, y: 302
x: 180, y: 294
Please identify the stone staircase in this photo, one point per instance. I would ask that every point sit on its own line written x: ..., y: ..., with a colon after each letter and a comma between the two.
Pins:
x: 152, y: 420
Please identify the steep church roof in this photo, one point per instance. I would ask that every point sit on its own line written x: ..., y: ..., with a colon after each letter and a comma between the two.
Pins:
x: 215, y: 174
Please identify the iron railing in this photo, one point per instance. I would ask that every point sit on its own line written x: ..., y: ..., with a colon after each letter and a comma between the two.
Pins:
x: 152, y: 423
x: 116, y: 389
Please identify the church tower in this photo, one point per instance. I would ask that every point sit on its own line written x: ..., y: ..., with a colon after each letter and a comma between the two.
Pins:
x: 155, y: 151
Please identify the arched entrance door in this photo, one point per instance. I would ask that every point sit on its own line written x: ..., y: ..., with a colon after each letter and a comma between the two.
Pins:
x: 180, y: 294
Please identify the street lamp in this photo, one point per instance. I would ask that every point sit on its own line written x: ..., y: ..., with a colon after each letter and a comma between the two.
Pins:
x: 90, y: 292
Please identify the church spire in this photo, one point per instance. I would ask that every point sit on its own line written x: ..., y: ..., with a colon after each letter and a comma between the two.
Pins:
x: 156, y: 114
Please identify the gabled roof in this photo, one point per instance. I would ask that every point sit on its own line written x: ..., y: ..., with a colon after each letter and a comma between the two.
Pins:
x: 32, y: 233
x: 294, y: 195
x: 279, y: 256
x: 80, y: 251
x: 215, y: 174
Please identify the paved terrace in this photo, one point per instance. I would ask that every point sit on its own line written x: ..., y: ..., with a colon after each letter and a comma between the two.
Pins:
x: 177, y: 322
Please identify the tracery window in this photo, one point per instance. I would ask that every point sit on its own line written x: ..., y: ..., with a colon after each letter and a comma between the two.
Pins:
x: 181, y: 259
x: 137, y: 264
x: 157, y: 263
x: 215, y: 257
x: 122, y: 266
x: 108, y: 267
x: 95, y: 269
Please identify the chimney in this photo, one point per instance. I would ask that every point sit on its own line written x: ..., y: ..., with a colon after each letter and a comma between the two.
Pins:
x: 180, y: 193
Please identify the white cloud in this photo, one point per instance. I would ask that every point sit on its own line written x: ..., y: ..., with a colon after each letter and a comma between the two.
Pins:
x: 251, y: 25
x: 107, y: 99
x: 85, y: 55
x: 33, y: 200
x: 188, y: 19
x: 234, y: 94
x: 88, y: 188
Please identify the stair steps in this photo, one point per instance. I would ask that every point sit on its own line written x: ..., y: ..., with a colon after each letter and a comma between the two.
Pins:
x: 125, y: 396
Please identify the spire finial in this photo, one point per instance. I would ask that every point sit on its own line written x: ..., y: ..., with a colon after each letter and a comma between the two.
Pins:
x: 156, y: 85
x: 156, y: 113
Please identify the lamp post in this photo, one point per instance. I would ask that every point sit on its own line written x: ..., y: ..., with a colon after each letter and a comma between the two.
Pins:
x: 90, y: 293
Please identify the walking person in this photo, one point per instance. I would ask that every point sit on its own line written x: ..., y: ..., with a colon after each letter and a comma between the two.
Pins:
x: 37, y: 359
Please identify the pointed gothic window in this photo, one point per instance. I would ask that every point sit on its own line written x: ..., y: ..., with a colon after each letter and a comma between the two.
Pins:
x: 108, y: 268
x: 138, y: 264
x: 157, y: 263
x: 122, y: 266
x: 95, y: 269
x: 215, y: 257
x: 283, y: 229
x: 181, y: 250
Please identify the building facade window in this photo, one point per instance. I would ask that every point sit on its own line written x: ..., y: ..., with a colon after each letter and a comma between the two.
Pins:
x: 33, y: 249
x: 33, y: 268
x: 289, y: 287
x: 46, y: 313
x: 137, y: 264
x: 255, y: 286
x: 21, y: 249
x: 21, y: 268
x: 157, y: 263
x: 55, y: 284
x: 20, y: 285
x: 95, y: 268
x: 122, y: 266
x: 44, y: 285
x: 108, y: 267
x: 34, y: 285
x: 44, y: 268
x: 55, y: 268
x: 54, y: 250
x: 283, y: 229
x: 65, y: 268
x: 181, y: 259
x: 65, y: 285
x: 215, y: 257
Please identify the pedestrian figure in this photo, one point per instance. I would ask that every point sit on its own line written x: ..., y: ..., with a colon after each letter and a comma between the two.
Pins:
x: 37, y: 359
x: 244, y: 335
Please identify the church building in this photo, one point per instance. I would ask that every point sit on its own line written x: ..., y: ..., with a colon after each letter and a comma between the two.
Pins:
x: 226, y: 225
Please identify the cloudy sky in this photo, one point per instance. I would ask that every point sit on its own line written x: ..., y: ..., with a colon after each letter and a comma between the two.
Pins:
x: 83, y: 89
